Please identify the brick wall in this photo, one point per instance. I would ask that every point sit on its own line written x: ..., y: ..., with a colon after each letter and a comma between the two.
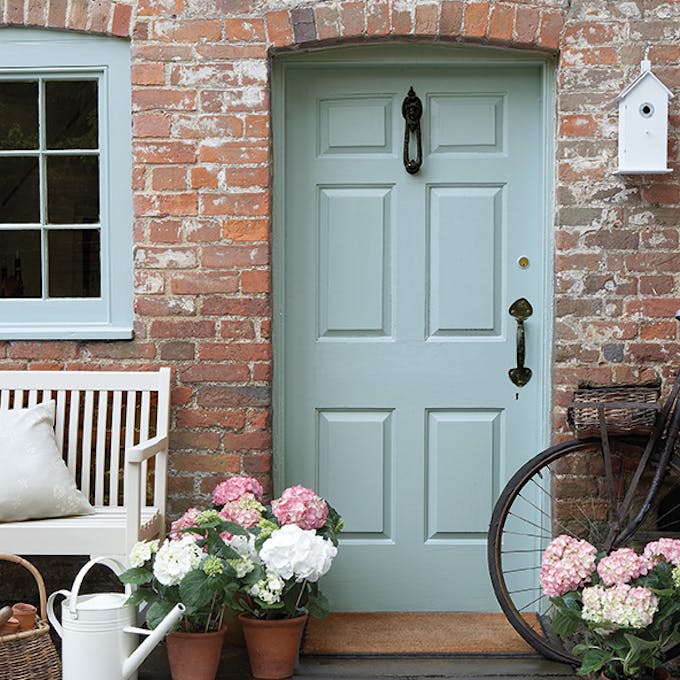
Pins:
x: 202, y: 199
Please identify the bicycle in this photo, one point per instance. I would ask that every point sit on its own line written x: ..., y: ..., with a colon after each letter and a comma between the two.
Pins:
x: 613, y: 490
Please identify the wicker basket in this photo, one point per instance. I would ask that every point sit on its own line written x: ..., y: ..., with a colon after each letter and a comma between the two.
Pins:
x: 29, y: 655
x: 630, y: 409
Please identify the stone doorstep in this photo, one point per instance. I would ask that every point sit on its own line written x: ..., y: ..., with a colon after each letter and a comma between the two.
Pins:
x: 234, y: 666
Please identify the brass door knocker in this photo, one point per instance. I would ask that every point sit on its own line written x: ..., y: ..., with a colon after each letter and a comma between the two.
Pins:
x: 412, y: 110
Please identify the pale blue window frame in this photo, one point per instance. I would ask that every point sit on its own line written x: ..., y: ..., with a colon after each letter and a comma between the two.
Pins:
x: 44, y: 54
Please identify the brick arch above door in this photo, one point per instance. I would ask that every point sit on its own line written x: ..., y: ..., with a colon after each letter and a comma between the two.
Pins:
x: 509, y: 24
x: 105, y: 17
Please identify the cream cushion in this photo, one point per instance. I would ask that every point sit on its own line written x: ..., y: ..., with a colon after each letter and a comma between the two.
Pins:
x: 34, y: 481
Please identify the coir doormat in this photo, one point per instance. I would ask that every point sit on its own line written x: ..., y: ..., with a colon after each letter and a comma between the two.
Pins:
x: 438, y: 633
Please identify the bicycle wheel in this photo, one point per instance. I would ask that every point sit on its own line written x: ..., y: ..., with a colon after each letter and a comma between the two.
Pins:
x: 565, y: 490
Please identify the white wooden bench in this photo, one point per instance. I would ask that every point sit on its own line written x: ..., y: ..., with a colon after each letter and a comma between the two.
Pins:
x: 112, y: 430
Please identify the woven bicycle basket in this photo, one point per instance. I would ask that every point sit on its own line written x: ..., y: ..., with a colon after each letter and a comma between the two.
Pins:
x: 30, y: 655
x: 636, y: 415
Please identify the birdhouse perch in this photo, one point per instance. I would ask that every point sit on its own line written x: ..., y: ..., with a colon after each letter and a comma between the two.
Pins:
x: 643, y: 125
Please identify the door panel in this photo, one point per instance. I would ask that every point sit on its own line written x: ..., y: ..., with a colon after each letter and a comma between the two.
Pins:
x: 397, y: 340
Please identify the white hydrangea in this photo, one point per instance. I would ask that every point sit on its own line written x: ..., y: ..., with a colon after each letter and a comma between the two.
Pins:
x: 244, y: 546
x: 242, y: 566
x: 294, y: 552
x: 175, y: 559
x: 142, y: 551
x: 268, y: 589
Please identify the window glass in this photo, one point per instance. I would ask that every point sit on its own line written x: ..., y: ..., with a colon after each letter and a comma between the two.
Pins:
x: 20, y: 268
x: 18, y: 115
x: 19, y: 189
x: 71, y: 120
x: 74, y: 263
x: 72, y: 189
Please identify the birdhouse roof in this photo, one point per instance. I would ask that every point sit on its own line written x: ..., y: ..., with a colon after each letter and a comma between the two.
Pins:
x: 638, y: 80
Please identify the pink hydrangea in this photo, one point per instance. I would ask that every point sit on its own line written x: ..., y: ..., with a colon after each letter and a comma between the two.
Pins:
x: 246, y: 511
x: 667, y: 549
x: 188, y: 519
x: 301, y: 506
x: 233, y: 488
x: 622, y: 566
x: 568, y: 563
x: 622, y: 606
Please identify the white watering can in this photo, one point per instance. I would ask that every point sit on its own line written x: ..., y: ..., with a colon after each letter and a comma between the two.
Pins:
x: 99, y: 637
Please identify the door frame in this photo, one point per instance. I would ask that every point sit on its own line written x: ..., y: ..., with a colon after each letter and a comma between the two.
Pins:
x: 406, y: 54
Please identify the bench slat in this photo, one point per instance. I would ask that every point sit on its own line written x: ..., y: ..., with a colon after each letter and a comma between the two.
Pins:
x: 86, y: 447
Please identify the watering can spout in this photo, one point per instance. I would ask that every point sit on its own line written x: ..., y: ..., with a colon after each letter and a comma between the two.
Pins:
x: 134, y: 661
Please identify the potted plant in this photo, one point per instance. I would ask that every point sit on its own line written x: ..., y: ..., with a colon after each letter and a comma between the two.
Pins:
x: 623, y: 608
x: 283, y: 550
x: 191, y: 566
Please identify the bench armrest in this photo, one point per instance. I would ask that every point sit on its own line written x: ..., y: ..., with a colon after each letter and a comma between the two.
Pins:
x: 145, y: 450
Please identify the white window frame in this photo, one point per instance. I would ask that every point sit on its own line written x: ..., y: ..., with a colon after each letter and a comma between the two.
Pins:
x: 34, y: 53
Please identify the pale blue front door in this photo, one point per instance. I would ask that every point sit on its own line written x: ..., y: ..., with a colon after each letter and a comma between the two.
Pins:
x: 395, y: 335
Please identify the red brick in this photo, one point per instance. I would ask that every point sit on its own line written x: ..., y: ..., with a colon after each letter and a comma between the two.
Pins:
x: 327, y: 21
x: 402, y: 22
x: 120, y: 25
x: 236, y: 329
x: 42, y: 350
x: 257, y: 126
x: 157, y: 305
x: 427, y: 19
x: 244, y: 307
x: 262, y: 372
x: 150, y: 98
x: 235, y: 351
x: 246, y: 230
x: 165, y: 231
x: 236, y: 205
x: 247, y: 441
x: 550, y: 30
x: 204, y: 178
x: 225, y: 418
x: 155, y: 8
x: 377, y: 18
x: 178, y: 204
x: 180, y: 485
x: 205, y: 462
x: 501, y: 23
x: 664, y: 54
x: 257, y: 463
x: 57, y: 13
x: 475, y: 19
x: 654, y: 307
x: 352, y: 18
x: 660, y: 239
x: 125, y: 350
x: 202, y: 126
x: 661, y: 193
x: 657, y: 285
x: 233, y: 153
x: 451, y: 19
x: 177, y: 350
x: 151, y: 125
x: 148, y: 74
x: 182, y: 328
x: 164, y: 152
x: 171, y: 178
x: 595, y: 56
x: 37, y: 14
x: 578, y: 125
x: 279, y: 30
x: 255, y: 281
x: 15, y: 11
x: 526, y: 25
x: 663, y: 330
x: 248, y: 177
x: 218, y: 372
x: 224, y: 257
x: 591, y: 33
x: 244, y: 30
x: 204, y: 283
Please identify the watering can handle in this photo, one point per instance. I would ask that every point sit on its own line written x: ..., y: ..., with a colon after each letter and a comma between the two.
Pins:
x: 50, y: 610
x: 114, y: 564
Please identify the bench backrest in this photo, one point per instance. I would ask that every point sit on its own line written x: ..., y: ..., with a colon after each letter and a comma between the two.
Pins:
x: 99, y: 415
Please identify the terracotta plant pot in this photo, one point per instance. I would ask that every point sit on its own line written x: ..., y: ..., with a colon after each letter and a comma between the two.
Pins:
x: 195, y: 656
x: 272, y: 645
x: 25, y: 614
x: 9, y: 627
x: 660, y: 673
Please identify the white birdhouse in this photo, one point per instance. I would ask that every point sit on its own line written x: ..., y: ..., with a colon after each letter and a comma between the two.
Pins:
x: 643, y: 125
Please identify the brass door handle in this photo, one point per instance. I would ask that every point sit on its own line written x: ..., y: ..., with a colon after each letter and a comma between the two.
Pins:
x: 520, y: 310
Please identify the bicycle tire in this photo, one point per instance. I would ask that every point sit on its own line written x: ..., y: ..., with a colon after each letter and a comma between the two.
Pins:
x: 516, y: 542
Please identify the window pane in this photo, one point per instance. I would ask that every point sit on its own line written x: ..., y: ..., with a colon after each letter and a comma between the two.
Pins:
x: 19, y: 197
x: 71, y: 114
x: 20, y: 270
x: 73, y: 263
x: 72, y: 189
x: 18, y: 115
